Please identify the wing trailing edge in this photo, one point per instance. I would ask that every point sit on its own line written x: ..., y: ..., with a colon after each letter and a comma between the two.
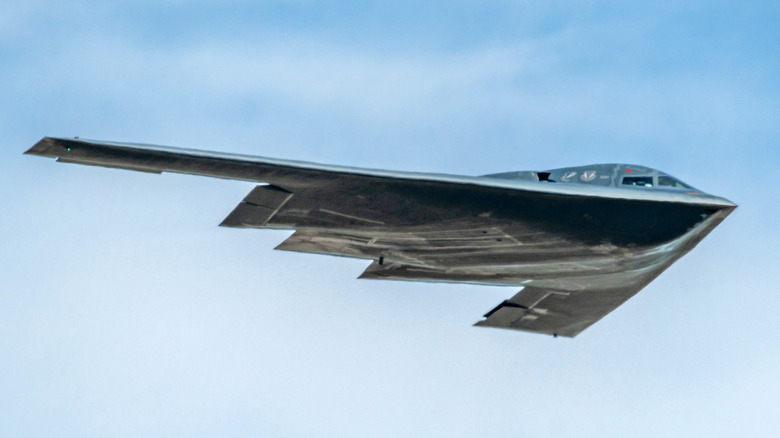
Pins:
x: 258, y: 207
x: 556, y: 312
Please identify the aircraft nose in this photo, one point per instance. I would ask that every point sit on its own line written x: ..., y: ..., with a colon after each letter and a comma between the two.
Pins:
x: 725, y: 203
x: 715, y: 201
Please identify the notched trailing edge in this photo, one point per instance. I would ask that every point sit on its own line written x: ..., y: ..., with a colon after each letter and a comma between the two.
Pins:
x: 258, y: 207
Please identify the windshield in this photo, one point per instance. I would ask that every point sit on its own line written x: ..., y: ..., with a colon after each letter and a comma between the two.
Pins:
x: 641, y: 181
x: 668, y: 181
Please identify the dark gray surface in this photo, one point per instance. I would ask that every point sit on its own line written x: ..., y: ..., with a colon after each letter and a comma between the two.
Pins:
x: 579, y: 241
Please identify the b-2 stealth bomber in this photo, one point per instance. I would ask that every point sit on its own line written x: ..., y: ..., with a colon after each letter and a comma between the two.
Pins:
x: 580, y: 241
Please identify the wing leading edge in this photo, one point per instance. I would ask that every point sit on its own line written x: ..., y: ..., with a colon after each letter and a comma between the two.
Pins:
x: 292, y: 173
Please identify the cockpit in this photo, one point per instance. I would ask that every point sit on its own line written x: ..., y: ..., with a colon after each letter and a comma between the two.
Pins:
x: 654, y: 181
x: 615, y: 175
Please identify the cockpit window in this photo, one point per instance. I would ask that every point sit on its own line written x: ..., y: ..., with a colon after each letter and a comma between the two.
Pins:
x: 640, y: 181
x: 668, y: 181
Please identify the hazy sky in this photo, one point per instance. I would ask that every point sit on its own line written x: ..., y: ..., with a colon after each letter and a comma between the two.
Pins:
x: 125, y: 311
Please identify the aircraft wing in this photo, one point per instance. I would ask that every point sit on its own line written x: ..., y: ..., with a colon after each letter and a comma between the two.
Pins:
x: 558, y: 312
x: 579, y: 251
x: 564, y: 294
x: 291, y: 173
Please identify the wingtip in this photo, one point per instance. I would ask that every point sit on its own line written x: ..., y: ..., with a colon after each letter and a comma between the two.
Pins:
x: 40, y: 148
x: 49, y: 147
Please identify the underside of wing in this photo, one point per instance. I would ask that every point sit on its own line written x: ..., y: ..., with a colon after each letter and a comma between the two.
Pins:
x: 568, y: 285
x: 557, y: 312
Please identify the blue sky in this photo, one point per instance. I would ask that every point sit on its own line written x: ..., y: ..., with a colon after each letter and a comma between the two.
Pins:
x: 126, y: 311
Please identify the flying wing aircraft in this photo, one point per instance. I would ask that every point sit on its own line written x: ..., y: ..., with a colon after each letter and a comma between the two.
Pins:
x: 580, y: 241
